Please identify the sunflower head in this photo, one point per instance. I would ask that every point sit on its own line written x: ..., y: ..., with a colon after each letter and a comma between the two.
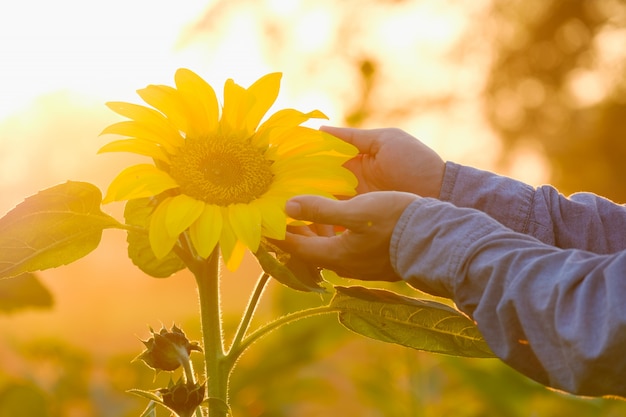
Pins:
x: 222, y: 175
x: 183, y: 397
x: 167, y: 350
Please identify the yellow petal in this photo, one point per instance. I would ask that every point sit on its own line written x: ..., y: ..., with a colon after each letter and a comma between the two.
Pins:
x: 237, y: 101
x: 302, y: 164
x: 161, y: 241
x: 181, y: 213
x: 236, y: 256
x: 280, y: 121
x: 138, y: 146
x: 142, y: 114
x: 206, y: 231
x: 170, y: 141
x: 169, y: 102
x: 334, y: 180
x: 309, y: 142
x: 290, y: 118
x: 273, y: 131
x: 201, y: 102
x: 264, y: 91
x: 321, y: 173
x: 273, y: 217
x: 245, y: 219
x: 228, y: 239
x: 139, y: 181
x: 287, y: 189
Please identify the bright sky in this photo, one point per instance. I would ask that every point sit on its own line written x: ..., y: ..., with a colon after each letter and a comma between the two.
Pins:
x: 110, y: 47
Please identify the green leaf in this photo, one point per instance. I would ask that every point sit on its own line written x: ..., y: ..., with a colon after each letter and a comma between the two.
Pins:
x: 155, y: 400
x: 219, y: 405
x: 418, y: 324
x: 289, y: 270
x: 137, y: 213
x: 149, y: 395
x: 22, y: 292
x: 54, y: 227
x: 150, y: 410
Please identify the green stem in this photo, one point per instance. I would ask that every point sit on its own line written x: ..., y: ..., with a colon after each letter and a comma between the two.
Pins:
x: 207, y: 278
x: 132, y: 228
x: 236, y: 351
x: 250, y: 309
x: 190, y: 377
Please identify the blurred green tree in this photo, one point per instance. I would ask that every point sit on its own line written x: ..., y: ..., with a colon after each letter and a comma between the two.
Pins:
x: 557, y: 82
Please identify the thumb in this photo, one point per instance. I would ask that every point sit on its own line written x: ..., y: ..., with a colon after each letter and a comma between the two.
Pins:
x: 319, y: 210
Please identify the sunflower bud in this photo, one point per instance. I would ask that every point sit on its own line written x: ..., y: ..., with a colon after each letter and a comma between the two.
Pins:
x: 183, y: 397
x: 167, y: 350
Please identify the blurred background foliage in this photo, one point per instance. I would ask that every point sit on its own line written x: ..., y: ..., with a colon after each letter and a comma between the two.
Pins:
x: 547, y: 78
x: 558, y: 83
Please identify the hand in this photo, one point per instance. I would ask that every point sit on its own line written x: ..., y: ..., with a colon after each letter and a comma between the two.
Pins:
x: 392, y: 160
x: 362, y: 250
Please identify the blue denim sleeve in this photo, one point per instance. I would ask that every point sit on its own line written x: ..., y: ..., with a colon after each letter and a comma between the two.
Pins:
x: 556, y: 315
x: 581, y: 221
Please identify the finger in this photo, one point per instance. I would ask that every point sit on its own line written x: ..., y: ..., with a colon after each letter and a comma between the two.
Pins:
x: 320, y: 210
x: 323, y: 229
x: 302, y: 230
x: 320, y: 251
x: 313, y: 230
x: 365, y: 140
x: 360, y: 166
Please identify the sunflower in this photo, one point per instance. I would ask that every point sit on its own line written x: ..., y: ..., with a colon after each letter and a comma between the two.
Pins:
x: 223, y: 179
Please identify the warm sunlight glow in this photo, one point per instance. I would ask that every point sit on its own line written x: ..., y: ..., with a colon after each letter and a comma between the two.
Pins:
x: 203, y: 116
x: 95, y: 47
x: 431, y: 25
x: 314, y: 29
x: 60, y: 61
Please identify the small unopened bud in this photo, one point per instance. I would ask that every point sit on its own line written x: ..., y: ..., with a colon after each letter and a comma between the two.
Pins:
x: 167, y: 350
x: 183, y: 397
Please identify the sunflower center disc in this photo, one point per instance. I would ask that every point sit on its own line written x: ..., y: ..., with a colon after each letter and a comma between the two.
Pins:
x: 221, y: 171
